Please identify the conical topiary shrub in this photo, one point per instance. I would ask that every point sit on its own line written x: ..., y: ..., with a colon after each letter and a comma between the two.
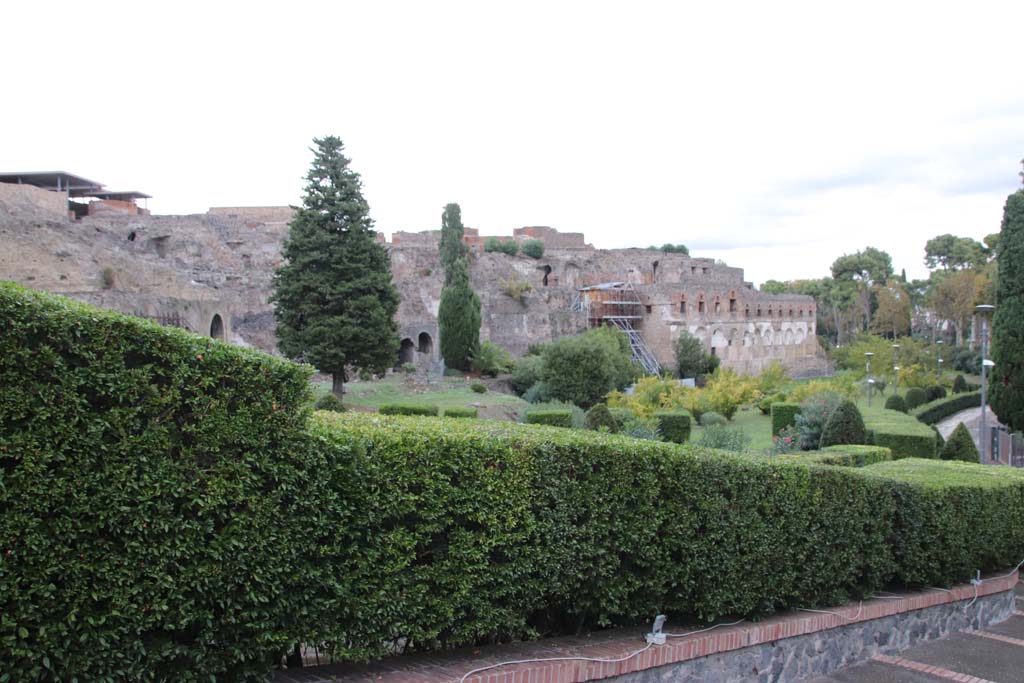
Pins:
x: 844, y: 426
x: 896, y: 402
x: 599, y: 416
x: 959, y: 384
x: 960, y: 446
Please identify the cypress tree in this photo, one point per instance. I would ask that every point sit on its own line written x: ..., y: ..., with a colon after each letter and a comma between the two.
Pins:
x: 1006, y: 379
x: 452, y: 247
x: 458, y: 318
x: 334, y: 299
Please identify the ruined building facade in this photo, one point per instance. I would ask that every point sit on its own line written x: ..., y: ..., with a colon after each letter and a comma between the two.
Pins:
x: 211, y: 273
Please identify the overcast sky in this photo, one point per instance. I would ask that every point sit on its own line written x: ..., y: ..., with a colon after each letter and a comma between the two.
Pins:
x: 773, y: 135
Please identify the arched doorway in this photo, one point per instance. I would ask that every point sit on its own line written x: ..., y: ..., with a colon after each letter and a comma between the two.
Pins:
x: 406, y: 352
x: 426, y: 344
x: 217, y: 327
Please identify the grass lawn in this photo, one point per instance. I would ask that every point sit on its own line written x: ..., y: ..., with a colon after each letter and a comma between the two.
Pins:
x: 447, y: 392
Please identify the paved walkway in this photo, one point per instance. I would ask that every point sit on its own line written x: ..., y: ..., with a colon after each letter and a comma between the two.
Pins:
x: 992, y: 655
x: 971, y: 419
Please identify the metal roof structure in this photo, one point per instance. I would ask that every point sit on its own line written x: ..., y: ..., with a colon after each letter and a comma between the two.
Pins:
x: 123, y: 196
x: 74, y: 185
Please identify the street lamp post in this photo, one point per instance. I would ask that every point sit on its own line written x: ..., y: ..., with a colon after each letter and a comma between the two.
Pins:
x: 895, y: 368
x: 938, y: 370
x: 984, y: 310
x: 870, y: 382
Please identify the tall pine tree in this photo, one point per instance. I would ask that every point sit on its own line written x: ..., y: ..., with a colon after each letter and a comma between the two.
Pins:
x: 335, y: 302
x: 452, y: 247
x: 1006, y: 379
x: 458, y: 318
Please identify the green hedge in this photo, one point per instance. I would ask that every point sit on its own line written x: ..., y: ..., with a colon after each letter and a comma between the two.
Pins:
x: 674, y: 425
x: 153, y: 499
x: 408, y: 409
x: 460, y: 412
x: 951, y: 518
x: 553, y: 418
x: 839, y: 456
x: 784, y: 415
x: 936, y: 411
x: 900, y: 433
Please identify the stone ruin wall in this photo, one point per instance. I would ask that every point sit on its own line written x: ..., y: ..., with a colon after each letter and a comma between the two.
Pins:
x: 192, y: 268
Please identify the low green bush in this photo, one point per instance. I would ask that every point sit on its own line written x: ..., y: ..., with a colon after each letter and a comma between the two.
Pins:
x: 525, y: 373
x: 478, y: 387
x: 844, y: 426
x: 154, y: 518
x: 329, y: 402
x: 621, y: 415
x: 408, y: 409
x: 550, y: 417
x: 937, y: 411
x: 959, y: 384
x: 902, y: 434
x: 532, y: 248
x: 896, y: 402
x: 915, y: 396
x: 854, y: 455
x: 674, y: 425
x: 935, y: 392
x: 783, y: 415
x: 709, y: 418
x: 460, y: 412
x: 960, y: 446
x: 724, y: 438
x: 599, y: 417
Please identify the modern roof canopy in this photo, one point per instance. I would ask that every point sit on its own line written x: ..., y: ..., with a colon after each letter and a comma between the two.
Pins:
x: 74, y: 185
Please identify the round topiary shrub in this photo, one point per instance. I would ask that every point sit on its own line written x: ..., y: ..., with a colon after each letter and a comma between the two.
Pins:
x: 935, y: 392
x: 599, y: 417
x: 960, y: 446
x: 896, y: 402
x: 330, y: 402
x: 915, y: 397
x: 478, y: 387
x: 959, y: 384
x: 844, y: 426
x: 711, y: 418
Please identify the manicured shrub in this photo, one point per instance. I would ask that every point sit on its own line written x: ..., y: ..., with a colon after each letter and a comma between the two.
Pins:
x: 939, y: 441
x: 814, y: 413
x: 525, y: 373
x: 902, y: 434
x: 854, y: 455
x: 724, y: 438
x: 959, y: 384
x: 478, y: 387
x: 674, y: 425
x: 783, y: 415
x: 844, y: 426
x: 551, y: 417
x: 408, y: 409
x: 599, y: 417
x: 935, y: 392
x: 460, y: 412
x: 621, y: 415
x: 711, y: 418
x: 937, y: 411
x: 960, y: 446
x: 583, y: 369
x: 154, y: 523
x: 532, y: 248
x: 916, y: 396
x: 329, y: 402
x: 896, y: 402
x: 765, y: 404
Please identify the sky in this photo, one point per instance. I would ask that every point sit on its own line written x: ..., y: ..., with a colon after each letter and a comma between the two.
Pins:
x: 775, y: 136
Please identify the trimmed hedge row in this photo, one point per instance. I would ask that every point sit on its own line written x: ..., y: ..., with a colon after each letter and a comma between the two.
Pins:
x: 936, y: 411
x: 550, y: 417
x: 838, y: 456
x: 153, y: 499
x: 900, y: 433
x: 460, y: 412
x: 674, y: 426
x: 408, y: 409
x: 783, y: 415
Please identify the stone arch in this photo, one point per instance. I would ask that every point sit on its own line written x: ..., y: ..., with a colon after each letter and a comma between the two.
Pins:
x: 734, y: 336
x: 787, y: 338
x: 718, y: 338
x: 425, y: 344
x: 702, y: 306
x: 702, y: 334
x: 217, y: 327
x: 406, y: 352
x: 718, y: 305
x: 546, y: 270
x: 798, y: 336
x: 748, y: 339
x: 768, y: 336
x: 572, y: 275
